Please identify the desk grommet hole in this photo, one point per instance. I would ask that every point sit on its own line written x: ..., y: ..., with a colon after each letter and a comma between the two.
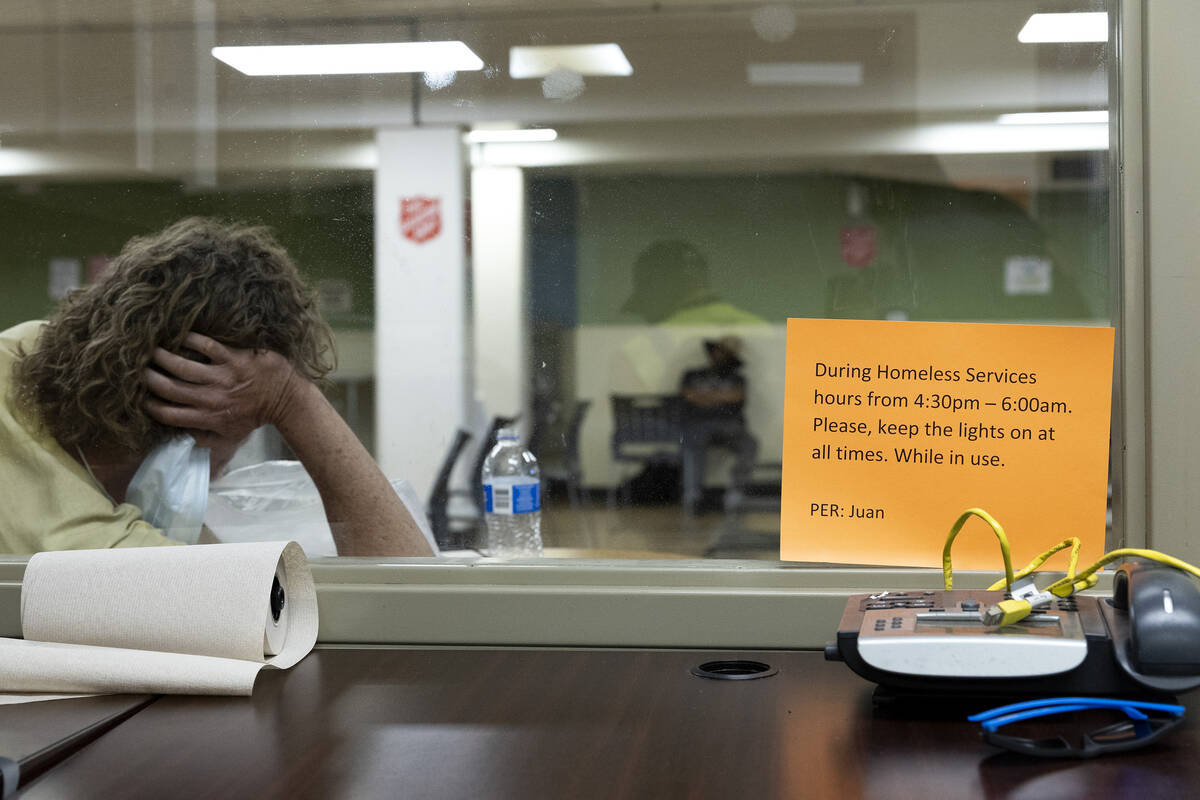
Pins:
x: 738, y: 670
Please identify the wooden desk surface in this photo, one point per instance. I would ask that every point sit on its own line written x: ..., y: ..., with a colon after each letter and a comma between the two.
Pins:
x: 41, y: 734
x: 574, y: 724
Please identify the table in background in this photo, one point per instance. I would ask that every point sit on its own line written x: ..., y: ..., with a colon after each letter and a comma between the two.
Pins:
x: 455, y: 723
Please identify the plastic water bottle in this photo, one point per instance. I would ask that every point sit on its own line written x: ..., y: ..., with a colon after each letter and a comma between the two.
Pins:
x: 512, y: 499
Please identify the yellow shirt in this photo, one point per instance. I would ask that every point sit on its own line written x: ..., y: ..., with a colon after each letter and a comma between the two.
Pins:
x: 48, y: 501
x: 717, y: 312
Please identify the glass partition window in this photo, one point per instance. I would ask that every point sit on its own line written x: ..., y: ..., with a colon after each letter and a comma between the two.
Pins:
x: 571, y: 218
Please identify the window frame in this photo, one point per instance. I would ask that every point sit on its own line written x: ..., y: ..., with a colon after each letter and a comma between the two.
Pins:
x: 754, y: 604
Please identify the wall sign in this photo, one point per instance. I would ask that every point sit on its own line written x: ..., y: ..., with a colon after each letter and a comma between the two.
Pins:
x: 64, y: 277
x: 335, y: 296
x: 891, y: 429
x: 420, y: 218
x: 1028, y: 275
x: 858, y: 245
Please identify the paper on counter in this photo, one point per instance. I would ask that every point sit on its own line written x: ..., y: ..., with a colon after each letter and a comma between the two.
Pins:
x: 158, y: 620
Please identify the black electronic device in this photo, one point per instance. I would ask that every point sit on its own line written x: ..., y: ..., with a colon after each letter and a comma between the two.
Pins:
x: 1145, y: 639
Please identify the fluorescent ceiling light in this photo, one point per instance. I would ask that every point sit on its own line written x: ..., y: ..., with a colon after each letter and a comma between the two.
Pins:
x: 1053, y: 118
x: 1079, y: 26
x: 18, y: 161
x: 349, y: 59
x: 806, y: 73
x: 512, y: 135
x: 586, y: 59
x: 988, y: 137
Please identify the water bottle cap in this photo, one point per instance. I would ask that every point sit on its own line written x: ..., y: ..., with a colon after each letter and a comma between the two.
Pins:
x: 507, y: 433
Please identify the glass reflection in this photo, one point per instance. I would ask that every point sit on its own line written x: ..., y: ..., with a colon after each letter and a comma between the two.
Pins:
x: 801, y: 159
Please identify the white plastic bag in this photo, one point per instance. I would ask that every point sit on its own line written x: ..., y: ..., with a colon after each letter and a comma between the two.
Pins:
x: 258, y: 502
x: 171, y: 488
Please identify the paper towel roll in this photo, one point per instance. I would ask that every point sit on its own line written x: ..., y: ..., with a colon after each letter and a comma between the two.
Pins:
x: 160, y: 619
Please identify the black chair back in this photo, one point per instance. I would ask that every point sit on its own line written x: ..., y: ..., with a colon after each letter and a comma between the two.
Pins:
x: 571, y: 437
x: 439, y: 496
x: 647, y: 419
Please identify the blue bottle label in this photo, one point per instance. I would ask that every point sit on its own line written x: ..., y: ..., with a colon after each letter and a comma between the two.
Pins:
x: 512, y: 496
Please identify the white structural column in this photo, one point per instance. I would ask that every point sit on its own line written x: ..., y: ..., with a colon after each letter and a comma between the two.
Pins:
x: 422, y: 367
x: 499, y: 291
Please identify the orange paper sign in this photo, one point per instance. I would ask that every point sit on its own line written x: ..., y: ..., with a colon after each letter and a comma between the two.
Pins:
x: 891, y: 429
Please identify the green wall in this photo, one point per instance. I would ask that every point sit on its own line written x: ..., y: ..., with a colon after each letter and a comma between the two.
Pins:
x: 327, y: 228
x: 772, y: 243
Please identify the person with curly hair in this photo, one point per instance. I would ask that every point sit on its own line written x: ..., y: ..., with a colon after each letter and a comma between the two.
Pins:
x: 204, y: 328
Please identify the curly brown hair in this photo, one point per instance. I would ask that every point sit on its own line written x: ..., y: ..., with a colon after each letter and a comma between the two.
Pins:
x: 233, y: 283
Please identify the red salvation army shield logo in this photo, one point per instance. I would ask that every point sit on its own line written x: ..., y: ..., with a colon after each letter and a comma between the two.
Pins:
x: 858, y: 245
x: 420, y: 218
